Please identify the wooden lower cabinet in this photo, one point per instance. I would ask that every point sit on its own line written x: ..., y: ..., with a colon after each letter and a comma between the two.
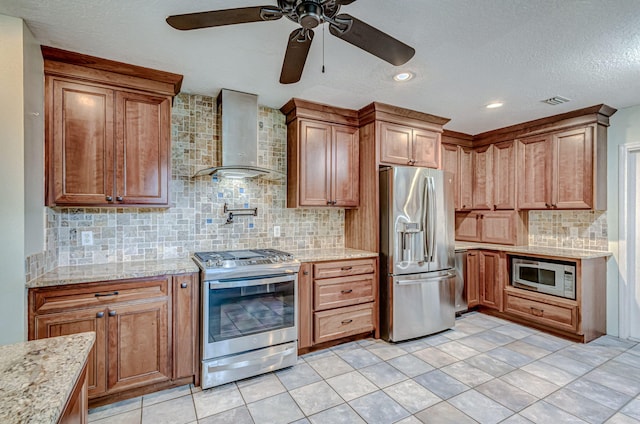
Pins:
x: 471, y: 279
x: 484, y: 278
x: 546, y: 310
x: 337, y: 299
x: 76, y: 411
x: 146, y: 329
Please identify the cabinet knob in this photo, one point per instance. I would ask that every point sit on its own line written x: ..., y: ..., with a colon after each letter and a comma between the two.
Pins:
x: 183, y: 285
x: 119, y: 198
x: 495, y: 207
x: 305, y: 273
x: 100, y: 315
x: 112, y: 313
x: 109, y: 199
x: 329, y: 202
x: 553, y: 205
x: 547, y: 205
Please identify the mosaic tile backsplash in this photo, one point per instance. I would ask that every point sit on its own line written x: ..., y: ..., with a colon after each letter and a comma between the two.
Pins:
x: 195, y: 221
x: 569, y: 229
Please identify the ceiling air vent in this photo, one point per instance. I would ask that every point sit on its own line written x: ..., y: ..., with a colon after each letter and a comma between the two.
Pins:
x: 557, y: 100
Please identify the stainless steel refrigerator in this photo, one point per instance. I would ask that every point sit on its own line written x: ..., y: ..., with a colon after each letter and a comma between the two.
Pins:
x: 417, y: 278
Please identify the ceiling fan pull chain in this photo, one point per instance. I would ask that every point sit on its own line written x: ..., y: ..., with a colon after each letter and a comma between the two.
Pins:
x: 323, y: 49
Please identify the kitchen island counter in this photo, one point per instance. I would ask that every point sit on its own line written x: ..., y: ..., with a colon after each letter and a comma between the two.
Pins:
x: 38, y: 377
x: 330, y: 254
x: 113, y: 271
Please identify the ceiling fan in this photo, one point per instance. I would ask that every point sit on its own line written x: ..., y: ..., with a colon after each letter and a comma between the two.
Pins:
x: 308, y: 14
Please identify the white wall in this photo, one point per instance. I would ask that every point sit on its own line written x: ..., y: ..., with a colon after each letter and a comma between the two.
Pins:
x: 34, y: 231
x: 625, y: 128
x: 12, y: 310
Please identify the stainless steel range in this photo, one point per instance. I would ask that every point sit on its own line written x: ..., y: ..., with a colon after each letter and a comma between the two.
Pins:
x: 249, y: 313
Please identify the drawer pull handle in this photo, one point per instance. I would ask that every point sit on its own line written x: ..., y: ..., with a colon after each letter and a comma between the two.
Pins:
x: 346, y: 268
x: 537, y: 312
x: 115, y: 293
x: 184, y: 285
x: 347, y: 321
x: 100, y: 315
x: 112, y: 313
x: 346, y: 291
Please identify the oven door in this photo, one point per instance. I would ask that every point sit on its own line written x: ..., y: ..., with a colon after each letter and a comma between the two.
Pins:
x: 243, y: 314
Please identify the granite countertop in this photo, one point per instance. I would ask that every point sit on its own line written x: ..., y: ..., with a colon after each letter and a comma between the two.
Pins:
x: 330, y: 254
x: 535, y: 250
x: 112, y: 271
x: 37, y: 377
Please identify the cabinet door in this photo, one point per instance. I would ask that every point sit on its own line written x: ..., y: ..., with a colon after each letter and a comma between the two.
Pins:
x: 573, y: 166
x: 534, y: 173
x: 426, y: 148
x: 449, y: 163
x: 315, y: 164
x: 504, y: 175
x: 499, y: 227
x: 80, y: 321
x: 490, y: 283
x: 471, y: 279
x: 482, y: 178
x: 465, y: 168
x: 186, y: 335
x: 139, y: 344
x: 80, y: 144
x: 395, y: 144
x: 468, y: 226
x: 143, y: 148
x: 345, y: 184
x: 305, y: 303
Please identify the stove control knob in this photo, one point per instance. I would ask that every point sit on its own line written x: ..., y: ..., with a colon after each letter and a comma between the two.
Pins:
x: 218, y: 262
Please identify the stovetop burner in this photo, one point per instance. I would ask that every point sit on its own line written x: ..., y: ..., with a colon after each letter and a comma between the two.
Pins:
x: 241, y: 258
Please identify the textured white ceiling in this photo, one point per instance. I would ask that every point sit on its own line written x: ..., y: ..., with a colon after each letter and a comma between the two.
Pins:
x: 468, y: 52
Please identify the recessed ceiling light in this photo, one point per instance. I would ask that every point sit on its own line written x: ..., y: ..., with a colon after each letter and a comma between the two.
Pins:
x: 494, y: 105
x: 403, y: 76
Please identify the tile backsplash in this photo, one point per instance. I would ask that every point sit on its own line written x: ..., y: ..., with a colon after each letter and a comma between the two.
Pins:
x: 195, y: 221
x: 569, y: 229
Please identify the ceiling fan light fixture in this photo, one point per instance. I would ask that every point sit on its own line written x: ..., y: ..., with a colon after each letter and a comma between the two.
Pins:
x: 494, y: 105
x: 403, y: 76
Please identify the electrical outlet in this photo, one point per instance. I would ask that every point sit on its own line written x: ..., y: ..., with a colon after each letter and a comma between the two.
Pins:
x: 276, y: 231
x: 87, y: 238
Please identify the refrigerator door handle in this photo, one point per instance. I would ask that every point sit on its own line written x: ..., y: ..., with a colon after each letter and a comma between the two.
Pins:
x: 428, y: 218
x: 444, y: 276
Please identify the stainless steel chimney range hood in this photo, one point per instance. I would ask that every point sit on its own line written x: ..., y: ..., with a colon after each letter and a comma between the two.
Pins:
x: 238, y: 124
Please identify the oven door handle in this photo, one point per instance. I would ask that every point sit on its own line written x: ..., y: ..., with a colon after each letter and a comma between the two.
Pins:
x: 227, y: 284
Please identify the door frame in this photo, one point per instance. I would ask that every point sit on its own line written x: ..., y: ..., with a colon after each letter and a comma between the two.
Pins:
x: 627, y: 248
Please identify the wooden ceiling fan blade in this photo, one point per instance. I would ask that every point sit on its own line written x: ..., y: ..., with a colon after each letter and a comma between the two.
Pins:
x: 216, y: 18
x: 296, y: 55
x: 371, y: 39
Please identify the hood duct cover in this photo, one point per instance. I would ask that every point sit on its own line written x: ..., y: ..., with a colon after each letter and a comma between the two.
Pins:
x: 238, y: 124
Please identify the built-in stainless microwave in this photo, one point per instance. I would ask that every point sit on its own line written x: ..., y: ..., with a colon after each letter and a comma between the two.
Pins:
x: 550, y: 277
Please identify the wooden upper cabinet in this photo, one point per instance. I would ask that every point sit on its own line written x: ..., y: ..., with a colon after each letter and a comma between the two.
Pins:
x: 501, y: 227
x: 108, y: 131
x: 468, y: 226
x: 466, y: 168
x: 403, y: 145
x: 504, y: 175
x: 534, y: 172
x: 556, y: 171
x: 572, y: 182
x: 323, y: 156
x: 482, y: 178
x: 315, y: 164
x: 449, y: 163
x: 80, y: 143
x: 143, y: 148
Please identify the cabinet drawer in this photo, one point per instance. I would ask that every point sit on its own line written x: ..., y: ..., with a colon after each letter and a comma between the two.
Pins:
x: 86, y: 295
x: 342, y: 291
x: 343, y: 268
x: 342, y: 322
x: 564, y: 317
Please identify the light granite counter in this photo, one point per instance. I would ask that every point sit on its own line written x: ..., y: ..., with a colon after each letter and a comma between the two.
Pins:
x: 330, y: 254
x: 37, y: 377
x: 534, y: 250
x: 112, y: 271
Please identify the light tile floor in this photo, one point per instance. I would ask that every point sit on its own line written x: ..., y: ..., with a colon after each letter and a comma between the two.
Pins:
x: 486, y: 370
